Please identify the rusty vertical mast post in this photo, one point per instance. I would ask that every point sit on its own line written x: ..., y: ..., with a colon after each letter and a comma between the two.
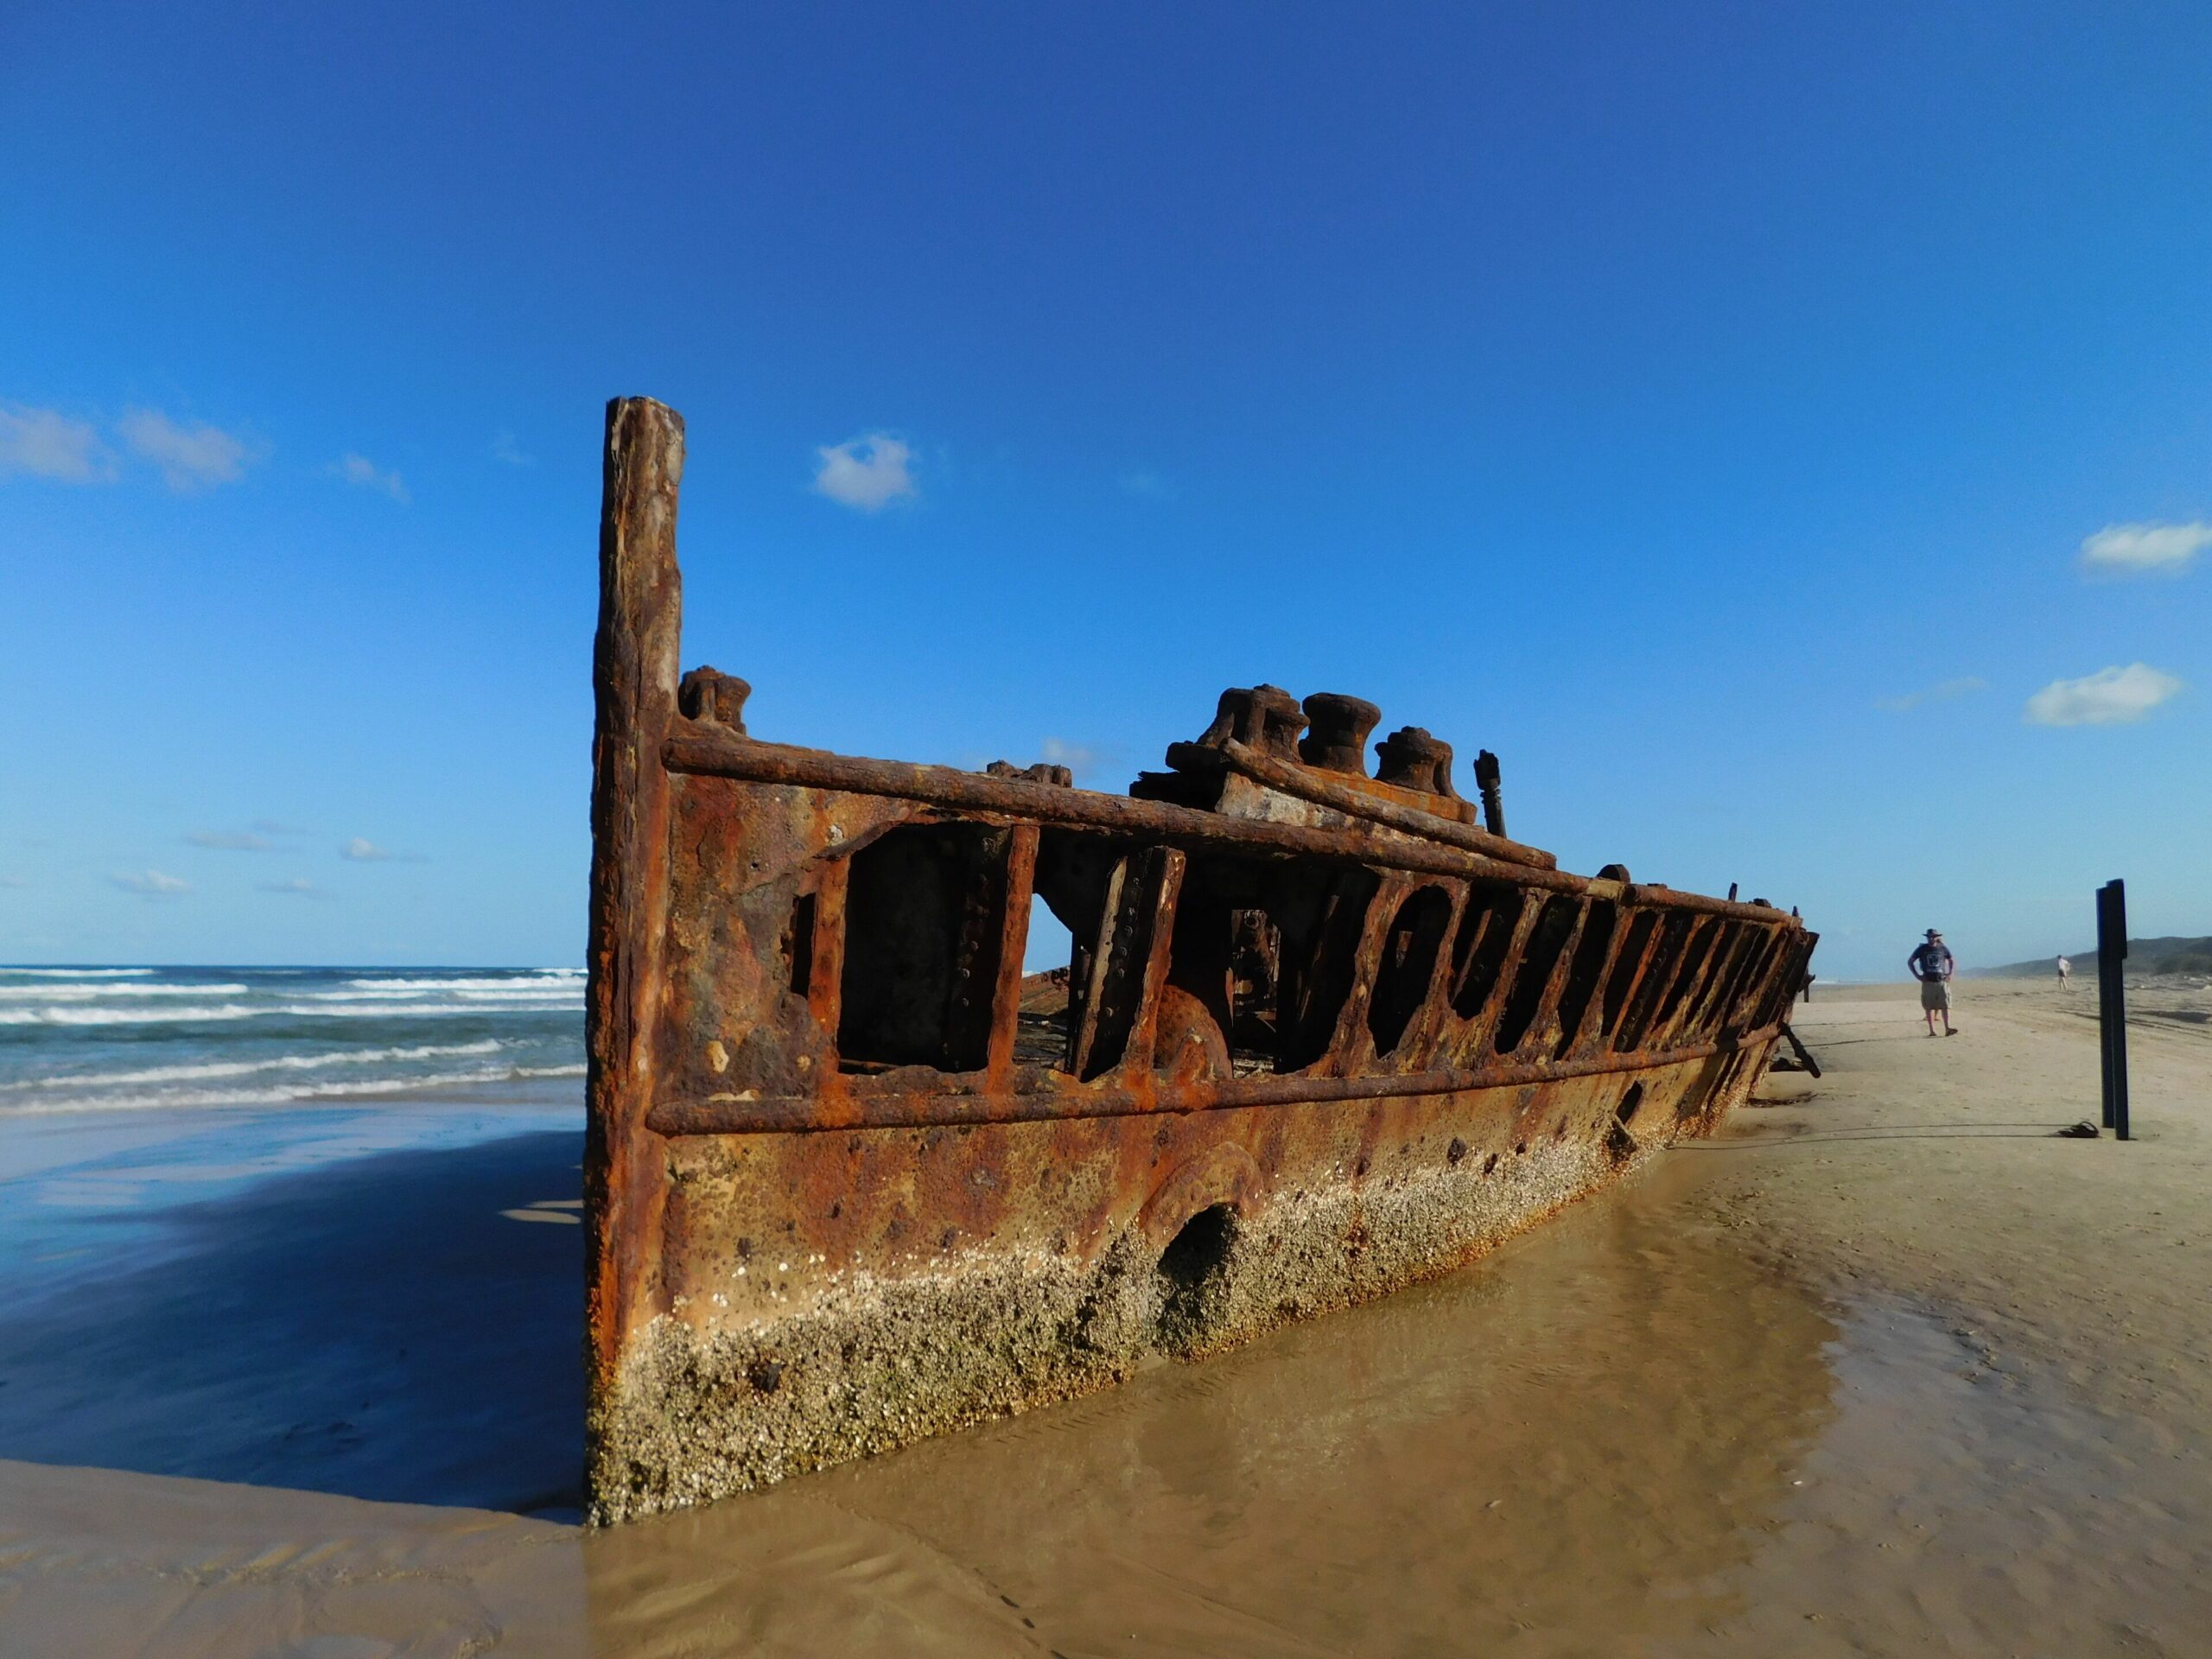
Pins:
x: 634, y: 662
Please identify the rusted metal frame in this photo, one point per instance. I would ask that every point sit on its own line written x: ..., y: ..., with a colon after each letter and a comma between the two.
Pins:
x: 1118, y: 1004
x: 1543, y: 1025
x: 1343, y: 1032
x: 635, y: 657
x: 1164, y: 867
x: 1351, y: 1045
x: 1589, y: 1034
x: 1630, y: 972
x: 1782, y: 990
x: 1713, y: 1012
x: 1730, y: 998
x: 825, y: 980
x: 1760, y: 991
x: 979, y: 958
x: 1322, y: 791
x: 1014, y: 944
x: 1667, y: 958
x: 1733, y: 1010
x: 1704, y: 991
x: 945, y: 1110
x: 714, y: 752
x: 1478, y: 1028
x: 1696, y: 961
x: 1418, y: 1046
x: 1088, y: 997
x: 1657, y: 968
x: 1728, y: 1006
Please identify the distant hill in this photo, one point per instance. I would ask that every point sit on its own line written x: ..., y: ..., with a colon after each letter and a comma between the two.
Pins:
x: 2144, y: 956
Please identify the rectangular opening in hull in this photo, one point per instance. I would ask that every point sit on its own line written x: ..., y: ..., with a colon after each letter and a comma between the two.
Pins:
x: 923, y: 930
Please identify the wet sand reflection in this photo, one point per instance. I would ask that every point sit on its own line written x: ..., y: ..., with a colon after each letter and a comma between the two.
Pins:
x: 1559, y: 1446
x: 1583, y: 1441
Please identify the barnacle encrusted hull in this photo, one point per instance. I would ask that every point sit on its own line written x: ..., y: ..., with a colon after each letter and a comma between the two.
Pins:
x: 852, y: 1180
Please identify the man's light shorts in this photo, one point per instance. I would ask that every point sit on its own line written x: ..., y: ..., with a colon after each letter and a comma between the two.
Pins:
x: 1936, y: 995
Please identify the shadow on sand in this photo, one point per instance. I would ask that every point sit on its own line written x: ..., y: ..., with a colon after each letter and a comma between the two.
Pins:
x: 379, y: 1329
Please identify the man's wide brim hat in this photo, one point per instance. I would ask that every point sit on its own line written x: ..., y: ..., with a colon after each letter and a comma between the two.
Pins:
x: 1934, y: 933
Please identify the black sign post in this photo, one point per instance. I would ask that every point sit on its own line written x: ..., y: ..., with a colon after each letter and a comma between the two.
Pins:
x: 2111, y: 1002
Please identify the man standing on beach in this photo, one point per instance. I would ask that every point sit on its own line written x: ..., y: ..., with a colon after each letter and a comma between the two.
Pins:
x: 2065, y: 974
x: 1931, y: 964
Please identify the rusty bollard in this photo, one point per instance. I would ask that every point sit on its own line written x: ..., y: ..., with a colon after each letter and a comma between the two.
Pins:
x: 1337, y: 741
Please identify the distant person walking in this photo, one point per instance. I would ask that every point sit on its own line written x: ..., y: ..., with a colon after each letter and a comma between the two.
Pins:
x: 1932, y: 965
x: 2065, y: 974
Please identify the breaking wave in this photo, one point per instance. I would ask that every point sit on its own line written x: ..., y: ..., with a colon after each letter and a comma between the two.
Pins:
x: 246, y: 1068
x: 77, y: 1016
x: 333, y: 1093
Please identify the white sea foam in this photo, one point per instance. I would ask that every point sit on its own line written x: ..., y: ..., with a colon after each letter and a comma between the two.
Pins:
x: 524, y: 994
x: 329, y: 1093
x: 88, y: 992
x: 82, y: 1016
x: 75, y: 1016
x: 247, y: 1068
x: 478, y: 983
x: 84, y: 973
x: 510, y: 993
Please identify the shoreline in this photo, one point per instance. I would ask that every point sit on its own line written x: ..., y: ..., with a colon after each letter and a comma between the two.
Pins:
x: 1885, y: 1367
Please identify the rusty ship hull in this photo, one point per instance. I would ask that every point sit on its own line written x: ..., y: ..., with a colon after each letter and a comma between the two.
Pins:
x: 853, y: 1178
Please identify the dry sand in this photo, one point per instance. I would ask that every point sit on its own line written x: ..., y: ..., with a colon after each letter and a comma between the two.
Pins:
x: 1885, y: 1368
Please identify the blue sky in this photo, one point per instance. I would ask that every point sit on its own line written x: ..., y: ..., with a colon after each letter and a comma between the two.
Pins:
x: 1706, y: 408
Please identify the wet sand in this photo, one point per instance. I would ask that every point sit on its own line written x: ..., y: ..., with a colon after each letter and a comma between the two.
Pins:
x: 1885, y: 1368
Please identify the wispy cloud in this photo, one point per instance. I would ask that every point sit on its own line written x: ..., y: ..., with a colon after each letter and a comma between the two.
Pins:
x: 868, y: 473
x: 365, y: 474
x: 362, y: 850
x: 230, y: 841
x: 505, y: 447
x: 2137, y: 549
x: 273, y: 827
x: 1084, y: 759
x: 45, y: 443
x: 13, y: 881
x: 298, y: 887
x: 1146, y: 483
x: 2111, y: 696
x: 151, y: 884
x: 1944, y: 693
x: 190, y: 457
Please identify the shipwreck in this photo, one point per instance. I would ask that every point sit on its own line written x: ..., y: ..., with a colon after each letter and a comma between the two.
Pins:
x: 852, y: 1178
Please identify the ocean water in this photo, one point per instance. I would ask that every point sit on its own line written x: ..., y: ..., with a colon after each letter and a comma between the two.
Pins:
x: 112, y: 1039
x: 244, y: 1210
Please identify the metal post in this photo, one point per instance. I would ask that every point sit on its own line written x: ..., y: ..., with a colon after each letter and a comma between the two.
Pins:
x: 1489, y: 781
x: 2111, y: 1002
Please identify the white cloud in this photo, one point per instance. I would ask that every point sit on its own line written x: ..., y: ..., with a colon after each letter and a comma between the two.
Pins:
x: 229, y: 840
x: 45, y: 443
x: 2132, y: 549
x: 504, y: 447
x: 869, y: 473
x: 1944, y: 693
x: 190, y: 457
x: 362, y: 850
x: 273, y: 827
x: 13, y: 881
x: 151, y: 884
x: 2108, y: 697
x: 363, y: 474
x: 297, y: 887
x: 1146, y: 483
x: 1081, y: 758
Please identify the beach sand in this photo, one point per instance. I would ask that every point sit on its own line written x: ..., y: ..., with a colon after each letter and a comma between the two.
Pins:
x: 1886, y: 1368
